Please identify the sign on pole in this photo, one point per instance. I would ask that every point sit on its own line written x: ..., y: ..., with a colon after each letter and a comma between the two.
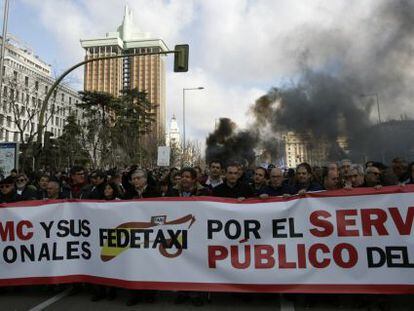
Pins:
x: 163, y: 156
x: 9, y: 157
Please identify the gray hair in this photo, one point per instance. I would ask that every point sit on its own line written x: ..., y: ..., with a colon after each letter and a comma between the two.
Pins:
x: 359, y: 168
x: 139, y: 172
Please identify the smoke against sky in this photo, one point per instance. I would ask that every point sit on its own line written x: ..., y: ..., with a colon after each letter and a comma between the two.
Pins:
x: 337, y: 68
x: 241, y: 48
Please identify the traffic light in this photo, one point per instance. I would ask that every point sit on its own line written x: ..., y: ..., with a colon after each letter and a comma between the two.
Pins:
x: 181, y: 58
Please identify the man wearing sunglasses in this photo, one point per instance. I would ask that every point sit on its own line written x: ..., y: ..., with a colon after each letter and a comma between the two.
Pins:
x: 7, y: 191
x: 372, y: 177
x: 24, y: 192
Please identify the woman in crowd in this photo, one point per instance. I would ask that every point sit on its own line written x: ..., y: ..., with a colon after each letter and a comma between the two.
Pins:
x: 112, y: 192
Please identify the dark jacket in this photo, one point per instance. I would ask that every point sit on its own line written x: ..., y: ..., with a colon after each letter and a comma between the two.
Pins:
x: 10, y: 198
x: 278, y: 191
x: 29, y: 193
x: 239, y: 190
x: 80, y: 191
x: 198, y: 190
x: 313, y: 186
x: 97, y: 192
x: 257, y: 191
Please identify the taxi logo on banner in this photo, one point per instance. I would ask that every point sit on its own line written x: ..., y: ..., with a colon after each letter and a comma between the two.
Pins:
x: 169, y: 237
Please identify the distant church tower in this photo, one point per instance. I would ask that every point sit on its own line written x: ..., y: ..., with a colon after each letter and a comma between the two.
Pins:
x: 174, y: 137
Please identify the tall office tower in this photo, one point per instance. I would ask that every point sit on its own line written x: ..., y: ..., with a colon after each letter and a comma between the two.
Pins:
x: 147, y: 73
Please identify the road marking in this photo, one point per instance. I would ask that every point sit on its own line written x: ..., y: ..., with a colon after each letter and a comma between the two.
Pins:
x: 51, y: 301
x: 286, y: 305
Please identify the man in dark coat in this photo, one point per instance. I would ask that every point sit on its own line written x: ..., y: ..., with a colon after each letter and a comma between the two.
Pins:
x: 141, y: 188
x: 98, y: 180
x: 24, y: 191
x: 189, y: 185
x: 232, y: 187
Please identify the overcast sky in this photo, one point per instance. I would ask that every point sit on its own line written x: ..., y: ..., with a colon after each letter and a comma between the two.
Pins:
x: 239, y: 48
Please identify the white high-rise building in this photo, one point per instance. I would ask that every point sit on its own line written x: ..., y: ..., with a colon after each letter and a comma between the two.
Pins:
x: 26, y: 81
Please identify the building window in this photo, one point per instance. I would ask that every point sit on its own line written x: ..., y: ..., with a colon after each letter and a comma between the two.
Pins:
x: 63, y: 97
x: 8, y: 121
x: 15, y: 75
x: 26, y: 81
x: 15, y: 137
x: 36, y: 85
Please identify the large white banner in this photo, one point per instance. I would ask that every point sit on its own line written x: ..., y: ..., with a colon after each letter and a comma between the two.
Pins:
x: 342, y: 241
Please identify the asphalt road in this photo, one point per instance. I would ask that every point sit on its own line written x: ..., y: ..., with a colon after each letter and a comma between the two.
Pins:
x: 42, y: 298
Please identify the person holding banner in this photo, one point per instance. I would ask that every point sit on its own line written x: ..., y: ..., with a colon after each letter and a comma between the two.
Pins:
x: 303, y: 180
x: 277, y: 185
x: 141, y: 188
x: 189, y: 185
x: 233, y: 187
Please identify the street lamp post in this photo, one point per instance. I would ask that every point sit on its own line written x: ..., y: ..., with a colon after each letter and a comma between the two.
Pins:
x: 180, y: 65
x: 187, y: 89
x: 3, y: 44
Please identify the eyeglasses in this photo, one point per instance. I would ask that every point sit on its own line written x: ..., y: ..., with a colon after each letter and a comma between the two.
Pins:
x: 21, y: 180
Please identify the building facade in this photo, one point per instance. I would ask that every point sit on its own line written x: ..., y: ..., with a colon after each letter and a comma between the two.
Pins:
x: 26, y: 81
x: 303, y: 148
x: 146, y: 72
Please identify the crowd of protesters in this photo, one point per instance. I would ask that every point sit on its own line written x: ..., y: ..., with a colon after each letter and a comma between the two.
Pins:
x: 232, y: 181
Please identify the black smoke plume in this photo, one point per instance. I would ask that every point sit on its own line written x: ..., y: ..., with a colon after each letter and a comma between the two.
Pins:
x: 343, y: 70
x: 228, y: 144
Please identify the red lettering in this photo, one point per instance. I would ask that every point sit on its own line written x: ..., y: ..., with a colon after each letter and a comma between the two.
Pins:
x: 7, y: 232
x: 216, y: 252
x: 377, y: 222
x: 301, y: 256
x: 316, y: 220
x: 263, y: 257
x: 283, y: 264
x: 352, y: 254
x: 403, y: 227
x: 342, y: 222
x: 313, y: 258
x: 235, y: 258
x: 24, y: 235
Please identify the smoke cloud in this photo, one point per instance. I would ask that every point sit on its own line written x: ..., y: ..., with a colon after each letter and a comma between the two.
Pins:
x: 342, y: 72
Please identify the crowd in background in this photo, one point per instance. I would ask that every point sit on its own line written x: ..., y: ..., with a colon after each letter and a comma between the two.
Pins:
x: 232, y: 180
